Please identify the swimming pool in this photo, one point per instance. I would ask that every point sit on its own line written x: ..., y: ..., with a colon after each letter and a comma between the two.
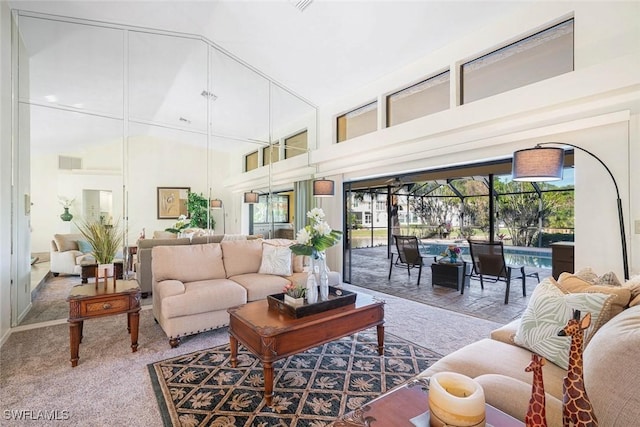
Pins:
x: 531, y: 257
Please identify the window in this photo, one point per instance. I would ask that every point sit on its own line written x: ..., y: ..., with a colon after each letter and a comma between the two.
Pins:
x: 358, y: 122
x: 543, y: 55
x: 295, y: 145
x: 262, y: 214
x: 424, y: 98
x: 251, y: 161
x: 268, y: 152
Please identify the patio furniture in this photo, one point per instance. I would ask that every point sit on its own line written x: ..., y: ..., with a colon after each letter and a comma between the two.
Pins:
x: 488, y: 260
x: 408, y: 255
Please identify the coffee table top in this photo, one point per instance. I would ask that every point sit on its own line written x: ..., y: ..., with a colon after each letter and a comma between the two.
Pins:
x: 272, y: 322
x: 397, y: 407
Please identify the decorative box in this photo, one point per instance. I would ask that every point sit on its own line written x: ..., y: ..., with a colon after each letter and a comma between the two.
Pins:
x: 337, y: 298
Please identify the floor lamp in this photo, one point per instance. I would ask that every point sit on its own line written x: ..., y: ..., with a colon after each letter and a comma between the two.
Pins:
x: 546, y: 164
x: 217, y: 204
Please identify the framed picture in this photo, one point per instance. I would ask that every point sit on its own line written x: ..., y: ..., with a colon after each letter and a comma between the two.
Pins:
x: 172, y: 202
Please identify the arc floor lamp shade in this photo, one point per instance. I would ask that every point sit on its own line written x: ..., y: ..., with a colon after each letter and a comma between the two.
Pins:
x: 323, y: 188
x: 251, y: 197
x: 538, y: 164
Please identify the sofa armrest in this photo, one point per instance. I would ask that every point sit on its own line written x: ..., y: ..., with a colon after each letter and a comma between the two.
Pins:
x: 64, y: 262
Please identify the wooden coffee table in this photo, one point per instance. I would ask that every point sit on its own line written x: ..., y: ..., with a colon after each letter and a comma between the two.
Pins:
x: 397, y: 407
x: 271, y: 335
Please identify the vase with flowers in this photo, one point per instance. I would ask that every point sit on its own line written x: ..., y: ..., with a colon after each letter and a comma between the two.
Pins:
x: 313, y: 240
x: 294, y: 294
x: 66, y: 204
x: 451, y: 253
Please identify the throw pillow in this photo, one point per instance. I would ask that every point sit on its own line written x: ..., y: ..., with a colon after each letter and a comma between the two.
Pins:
x: 548, y: 311
x: 275, y: 260
x: 84, y: 246
x: 608, y: 279
x: 633, y: 284
x: 571, y: 284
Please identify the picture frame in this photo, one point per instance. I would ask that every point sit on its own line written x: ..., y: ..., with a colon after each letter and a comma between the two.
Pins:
x: 172, y: 202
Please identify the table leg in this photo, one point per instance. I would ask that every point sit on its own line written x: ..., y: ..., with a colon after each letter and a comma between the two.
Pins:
x: 380, y: 330
x: 268, y: 382
x: 74, y: 342
x: 233, y: 344
x: 81, y: 327
x: 133, y: 319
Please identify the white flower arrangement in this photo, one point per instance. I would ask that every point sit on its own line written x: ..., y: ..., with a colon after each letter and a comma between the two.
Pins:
x: 315, y: 237
x: 65, y: 201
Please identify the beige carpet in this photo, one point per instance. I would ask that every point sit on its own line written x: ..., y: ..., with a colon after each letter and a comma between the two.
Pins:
x: 111, y: 386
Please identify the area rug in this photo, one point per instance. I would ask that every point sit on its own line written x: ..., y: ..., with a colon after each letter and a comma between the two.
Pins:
x: 310, y: 388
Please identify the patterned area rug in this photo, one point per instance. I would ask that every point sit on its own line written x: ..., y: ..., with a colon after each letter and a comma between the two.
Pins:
x: 310, y: 388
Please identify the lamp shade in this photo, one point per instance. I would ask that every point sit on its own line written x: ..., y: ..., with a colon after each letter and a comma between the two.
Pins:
x: 538, y: 164
x: 215, y: 204
x: 251, y: 197
x: 323, y: 188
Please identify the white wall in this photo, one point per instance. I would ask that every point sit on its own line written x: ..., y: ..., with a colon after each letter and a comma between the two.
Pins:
x: 5, y: 172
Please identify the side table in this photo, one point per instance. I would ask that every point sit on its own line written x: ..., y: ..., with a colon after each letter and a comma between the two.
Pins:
x: 450, y: 275
x: 106, y: 298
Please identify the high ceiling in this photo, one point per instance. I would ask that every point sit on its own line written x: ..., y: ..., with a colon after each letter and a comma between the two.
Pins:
x: 322, y: 52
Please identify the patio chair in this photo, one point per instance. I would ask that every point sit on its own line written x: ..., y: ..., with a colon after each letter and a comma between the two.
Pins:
x: 488, y: 260
x: 408, y: 255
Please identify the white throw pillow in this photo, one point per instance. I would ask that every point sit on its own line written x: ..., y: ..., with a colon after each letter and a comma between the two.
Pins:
x: 548, y: 312
x: 275, y: 260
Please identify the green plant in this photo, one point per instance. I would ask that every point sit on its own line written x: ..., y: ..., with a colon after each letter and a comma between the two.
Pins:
x: 104, y: 239
x: 198, y: 208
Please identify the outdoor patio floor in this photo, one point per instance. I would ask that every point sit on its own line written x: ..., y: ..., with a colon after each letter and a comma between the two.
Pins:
x: 370, y: 269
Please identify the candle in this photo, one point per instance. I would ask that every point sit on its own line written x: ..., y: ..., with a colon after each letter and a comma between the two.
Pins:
x: 455, y: 400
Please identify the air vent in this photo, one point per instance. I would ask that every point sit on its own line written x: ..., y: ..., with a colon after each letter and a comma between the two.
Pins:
x: 301, y: 5
x: 69, y: 163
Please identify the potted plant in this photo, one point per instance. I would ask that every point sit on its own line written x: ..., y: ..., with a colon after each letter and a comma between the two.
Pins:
x: 198, y: 208
x: 105, y: 240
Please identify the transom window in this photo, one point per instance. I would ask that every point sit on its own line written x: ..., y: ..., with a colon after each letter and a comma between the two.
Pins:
x: 358, y: 122
x: 538, y: 57
x: 419, y: 100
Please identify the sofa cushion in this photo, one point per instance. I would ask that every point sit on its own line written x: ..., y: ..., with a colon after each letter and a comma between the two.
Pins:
x: 489, y: 356
x: 259, y: 286
x: 189, y: 263
x: 512, y: 397
x: 241, y: 256
x: 276, y: 259
x: 569, y: 283
x: 610, y: 370
x: 161, y: 234
x: 203, y: 297
x: 547, y: 313
x: 67, y: 242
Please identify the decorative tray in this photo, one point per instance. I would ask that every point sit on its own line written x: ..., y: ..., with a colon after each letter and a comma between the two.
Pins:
x: 337, y: 298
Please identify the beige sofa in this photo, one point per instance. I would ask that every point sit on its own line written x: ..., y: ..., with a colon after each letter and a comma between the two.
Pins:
x: 144, y: 254
x: 66, y: 256
x: 611, y: 369
x: 194, y: 285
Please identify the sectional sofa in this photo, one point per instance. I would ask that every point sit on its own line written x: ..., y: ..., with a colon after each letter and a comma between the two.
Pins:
x: 611, y: 357
x: 194, y: 285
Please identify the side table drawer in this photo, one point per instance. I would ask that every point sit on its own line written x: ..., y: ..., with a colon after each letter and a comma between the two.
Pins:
x: 106, y: 306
